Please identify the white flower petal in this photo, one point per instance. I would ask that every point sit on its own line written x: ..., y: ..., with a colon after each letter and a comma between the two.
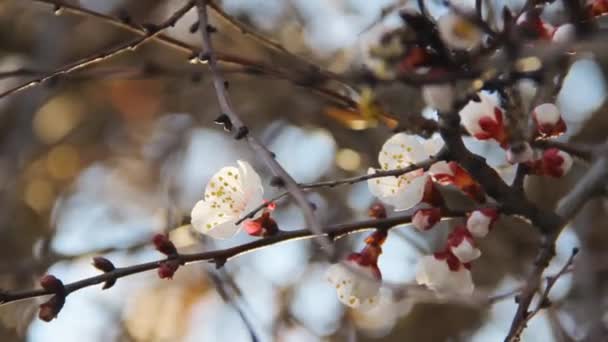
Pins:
x: 473, y: 111
x: 401, y: 150
x: 225, y: 192
x: 253, y: 191
x: 465, y: 251
x: 437, y: 276
x: 357, y: 286
x: 212, y: 221
x: 478, y: 224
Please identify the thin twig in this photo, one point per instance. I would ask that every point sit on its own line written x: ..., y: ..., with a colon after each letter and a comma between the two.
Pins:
x: 104, y: 54
x: 241, y: 131
x: 350, y: 180
x: 336, y: 231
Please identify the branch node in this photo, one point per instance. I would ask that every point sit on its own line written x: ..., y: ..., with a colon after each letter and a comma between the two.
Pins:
x: 241, y: 133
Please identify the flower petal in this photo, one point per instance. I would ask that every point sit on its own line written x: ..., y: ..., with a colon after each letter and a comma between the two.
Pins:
x: 401, y: 150
x: 213, y: 221
x: 251, y: 184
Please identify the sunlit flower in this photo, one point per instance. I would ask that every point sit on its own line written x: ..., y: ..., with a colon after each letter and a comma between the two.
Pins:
x: 462, y: 245
x: 425, y: 219
x: 356, y: 282
x: 400, y: 151
x: 564, y: 34
x: 548, y: 120
x: 521, y: 154
x: 444, y: 274
x: 480, y: 221
x: 450, y: 173
x: 439, y: 96
x: 231, y: 193
x: 484, y: 119
x: 555, y: 163
x: 457, y: 32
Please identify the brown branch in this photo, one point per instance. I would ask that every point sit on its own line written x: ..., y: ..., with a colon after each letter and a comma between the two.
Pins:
x: 248, y: 65
x: 335, y: 231
x: 241, y: 131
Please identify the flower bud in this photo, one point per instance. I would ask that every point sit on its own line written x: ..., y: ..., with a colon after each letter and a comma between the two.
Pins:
x: 164, y: 245
x: 555, y: 163
x: 484, y: 120
x: 548, y: 120
x: 377, y: 211
x: 520, y: 153
x: 450, y: 173
x: 262, y: 226
x: 103, y: 264
x: 51, y: 308
x: 462, y: 245
x: 425, y: 219
x: 52, y: 284
x: 167, y: 269
x: 479, y: 222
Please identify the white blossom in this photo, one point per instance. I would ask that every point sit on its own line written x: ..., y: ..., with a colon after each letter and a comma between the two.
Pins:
x: 465, y: 251
x: 548, y: 119
x: 436, y: 274
x: 484, y: 119
x: 357, y: 285
x: 230, y: 194
x: 457, y: 32
x: 400, y: 151
x: 480, y: 222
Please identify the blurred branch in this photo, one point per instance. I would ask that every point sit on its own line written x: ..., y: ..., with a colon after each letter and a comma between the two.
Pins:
x: 248, y: 66
x: 150, y: 32
x: 247, y: 31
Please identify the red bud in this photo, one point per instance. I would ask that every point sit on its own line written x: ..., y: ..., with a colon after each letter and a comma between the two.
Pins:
x: 164, y: 245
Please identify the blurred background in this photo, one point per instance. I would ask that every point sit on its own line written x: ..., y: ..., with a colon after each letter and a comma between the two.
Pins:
x: 97, y: 162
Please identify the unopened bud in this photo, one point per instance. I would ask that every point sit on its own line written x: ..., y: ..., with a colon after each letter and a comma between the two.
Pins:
x: 167, y: 269
x: 164, y: 245
x: 51, y: 308
x: 50, y: 283
x: 377, y: 211
x: 425, y: 219
x: 103, y: 264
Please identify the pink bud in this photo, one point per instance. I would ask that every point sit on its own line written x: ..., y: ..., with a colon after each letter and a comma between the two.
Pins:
x: 522, y: 153
x: 555, y: 163
x: 548, y: 120
x: 425, y: 219
x: 167, y: 269
x: 164, y: 245
x: 479, y: 222
x: 253, y: 228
